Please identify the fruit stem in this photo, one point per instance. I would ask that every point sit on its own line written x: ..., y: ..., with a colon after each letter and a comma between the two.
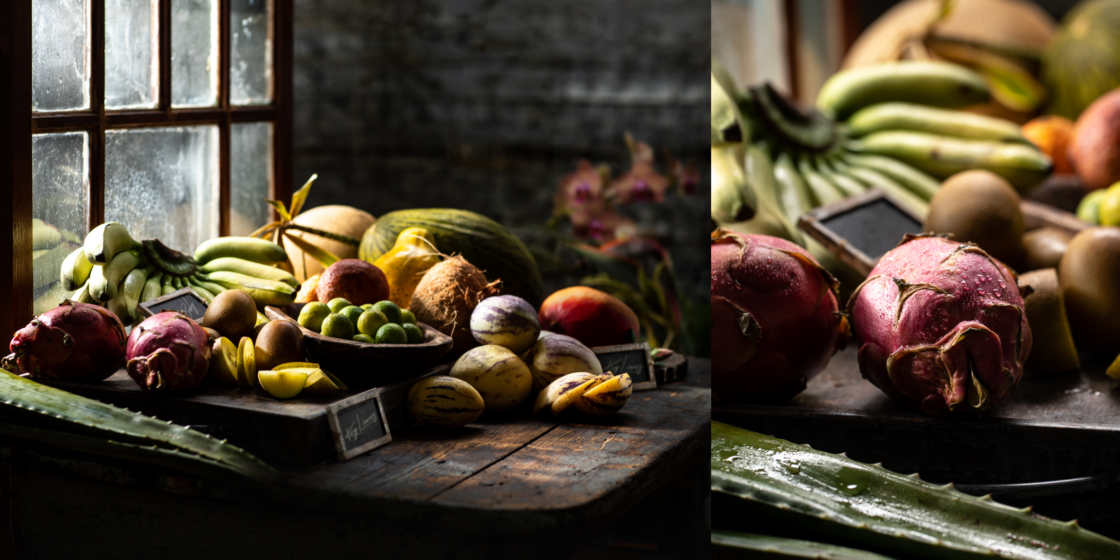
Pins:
x: 315, y: 231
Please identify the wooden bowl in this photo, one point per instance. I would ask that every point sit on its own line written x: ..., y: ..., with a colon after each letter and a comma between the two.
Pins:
x: 364, y: 363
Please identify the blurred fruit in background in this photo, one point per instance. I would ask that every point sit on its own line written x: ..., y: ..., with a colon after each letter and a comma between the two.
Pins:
x: 1051, y: 134
x: 1082, y: 63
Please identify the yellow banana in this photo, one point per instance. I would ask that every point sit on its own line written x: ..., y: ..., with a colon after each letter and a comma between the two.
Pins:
x: 106, y: 240
x: 104, y: 281
x: 75, y: 269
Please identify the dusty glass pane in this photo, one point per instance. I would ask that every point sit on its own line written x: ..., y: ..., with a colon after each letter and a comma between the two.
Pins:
x: 250, y: 57
x: 59, y: 206
x: 194, y: 53
x: 60, y: 55
x: 250, y: 174
x: 163, y: 183
x: 131, y: 47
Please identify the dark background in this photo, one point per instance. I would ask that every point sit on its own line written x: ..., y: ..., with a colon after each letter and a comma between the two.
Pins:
x: 485, y: 104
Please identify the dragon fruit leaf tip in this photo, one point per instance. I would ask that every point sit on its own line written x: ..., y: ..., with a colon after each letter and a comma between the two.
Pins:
x: 168, y: 352
x: 941, y: 326
x: 775, y: 317
x: 74, y: 342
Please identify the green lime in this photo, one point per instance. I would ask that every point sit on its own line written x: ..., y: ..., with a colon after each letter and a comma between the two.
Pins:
x: 1089, y: 210
x: 367, y: 306
x: 1110, y: 206
x: 338, y: 326
x: 391, y: 334
x: 407, y: 317
x: 352, y: 312
x: 371, y: 321
x: 338, y: 304
x: 414, y: 333
x: 363, y: 338
x: 312, y: 315
x: 390, y: 309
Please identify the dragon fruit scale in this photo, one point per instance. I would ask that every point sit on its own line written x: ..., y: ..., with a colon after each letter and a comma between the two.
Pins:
x: 775, y: 318
x: 168, y: 352
x: 941, y: 326
x: 72, y: 342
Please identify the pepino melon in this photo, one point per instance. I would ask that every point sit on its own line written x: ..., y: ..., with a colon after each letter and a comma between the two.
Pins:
x: 483, y: 242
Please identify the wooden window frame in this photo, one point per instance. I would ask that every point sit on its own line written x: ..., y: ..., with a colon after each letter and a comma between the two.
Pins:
x: 18, y: 123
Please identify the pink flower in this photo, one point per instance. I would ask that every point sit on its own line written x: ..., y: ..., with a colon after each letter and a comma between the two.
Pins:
x: 582, y: 188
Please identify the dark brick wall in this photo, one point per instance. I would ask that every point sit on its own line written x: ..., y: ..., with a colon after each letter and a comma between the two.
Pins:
x: 485, y: 104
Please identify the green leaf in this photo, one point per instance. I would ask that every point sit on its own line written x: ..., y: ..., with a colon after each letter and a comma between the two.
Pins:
x: 300, y: 196
x: 326, y: 258
x: 280, y: 209
x: 265, y: 230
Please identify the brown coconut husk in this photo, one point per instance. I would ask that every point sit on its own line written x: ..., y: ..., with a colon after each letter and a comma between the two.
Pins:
x: 447, y: 295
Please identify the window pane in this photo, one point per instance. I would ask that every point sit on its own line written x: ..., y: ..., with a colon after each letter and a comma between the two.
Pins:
x: 59, y: 206
x: 194, y: 53
x: 162, y: 183
x: 131, y: 47
x: 250, y: 57
x: 60, y: 55
x: 250, y: 165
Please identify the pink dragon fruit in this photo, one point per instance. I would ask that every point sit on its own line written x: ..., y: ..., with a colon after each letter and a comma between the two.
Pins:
x: 72, y: 342
x: 775, y: 318
x: 168, y: 352
x: 940, y: 326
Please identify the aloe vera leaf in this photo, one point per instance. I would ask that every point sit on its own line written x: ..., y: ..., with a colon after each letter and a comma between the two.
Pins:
x: 25, y: 394
x: 729, y: 545
x: 180, y: 460
x: 869, y: 504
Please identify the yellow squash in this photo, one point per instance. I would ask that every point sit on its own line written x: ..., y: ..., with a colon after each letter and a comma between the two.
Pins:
x: 405, y: 264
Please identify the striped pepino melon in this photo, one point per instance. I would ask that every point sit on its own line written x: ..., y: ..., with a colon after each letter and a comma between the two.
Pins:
x: 444, y: 402
x: 483, y: 242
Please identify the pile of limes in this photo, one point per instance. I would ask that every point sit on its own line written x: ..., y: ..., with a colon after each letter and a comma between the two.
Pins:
x: 373, y: 323
x: 1101, y: 207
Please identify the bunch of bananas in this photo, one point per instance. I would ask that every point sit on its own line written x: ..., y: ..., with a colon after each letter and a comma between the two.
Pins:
x: 119, y: 272
x: 891, y: 127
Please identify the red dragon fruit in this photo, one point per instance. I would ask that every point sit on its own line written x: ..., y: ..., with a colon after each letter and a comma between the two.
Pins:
x: 940, y: 326
x: 168, y: 352
x: 72, y: 342
x: 775, y: 317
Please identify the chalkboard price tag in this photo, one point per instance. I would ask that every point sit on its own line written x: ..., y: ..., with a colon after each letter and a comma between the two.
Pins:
x: 184, y: 301
x: 861, y: 229
x: 358, y: 424
x: 633, y: 359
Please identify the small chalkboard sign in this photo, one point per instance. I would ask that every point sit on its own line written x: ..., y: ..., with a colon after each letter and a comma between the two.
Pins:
x: 633, y: 359
x: 861, y: 229
x: 184, y: 301
x: 358, y: 424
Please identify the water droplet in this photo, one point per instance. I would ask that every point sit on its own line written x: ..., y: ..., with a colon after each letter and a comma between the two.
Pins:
x: 966, y: 289
x: 732, y: 458
x: 794, y: 468
x: 997, y: 293
x: 981, y: 292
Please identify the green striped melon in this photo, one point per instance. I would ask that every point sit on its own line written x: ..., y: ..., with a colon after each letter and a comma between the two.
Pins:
x: 1082, y: 62
x: 483, y: 242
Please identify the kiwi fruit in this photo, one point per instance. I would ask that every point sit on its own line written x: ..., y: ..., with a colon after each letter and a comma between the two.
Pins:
x: 279, y: 342
x: 232, y: 313
x: 1052, y: 349
x: 1089, y: 272
x: 981, y: 207
x: 1044, y: 247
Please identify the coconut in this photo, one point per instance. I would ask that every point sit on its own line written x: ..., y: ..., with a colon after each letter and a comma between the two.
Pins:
x: 446, y: 297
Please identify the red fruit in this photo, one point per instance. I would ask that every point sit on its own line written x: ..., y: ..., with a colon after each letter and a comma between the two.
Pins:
x: 168, y: 352
x: 590, y: 316
x: 354, y: 279
x: 775, y: 317
x: 72, y: 342
x: 1094, y: 148
x: 941, y: 326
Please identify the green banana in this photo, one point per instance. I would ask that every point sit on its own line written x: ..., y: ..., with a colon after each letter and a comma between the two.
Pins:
x: 930, y: 83
x: 152, y: 288
x: 202, y: 292
x: 106, y: 240
x: 732, y: 201
x: 916, y: 181
x: 128, y: 297
x: 729, y: 545
x: 827, y: 168
x: 798, y: 486
x: 932, y: 120
x: 167, y: 285
x: 75, y: 269
x: 250, y: 268
x: 874, y: 179
x: 177, y: 283
x: 793, y: 193
x: 760, y: 178
x: 808, y: 129
x: 104, y: 281
x: 43, y: 235
x: 248, y: 248
x: 211, y: 287
x: 823, y: 190
x: 263, y: 292
x: 1022, y: 165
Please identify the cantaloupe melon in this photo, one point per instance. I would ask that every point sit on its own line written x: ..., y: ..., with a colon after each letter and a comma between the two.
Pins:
x: 345, y: 220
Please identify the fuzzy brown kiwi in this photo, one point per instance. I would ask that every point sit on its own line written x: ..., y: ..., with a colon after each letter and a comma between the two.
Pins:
x: 981, y: 207
x: 232, y: 313
x: 279, y: 342
x: 1044, y: 247
x: 1052, y: 350
x: 1088, y: 273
